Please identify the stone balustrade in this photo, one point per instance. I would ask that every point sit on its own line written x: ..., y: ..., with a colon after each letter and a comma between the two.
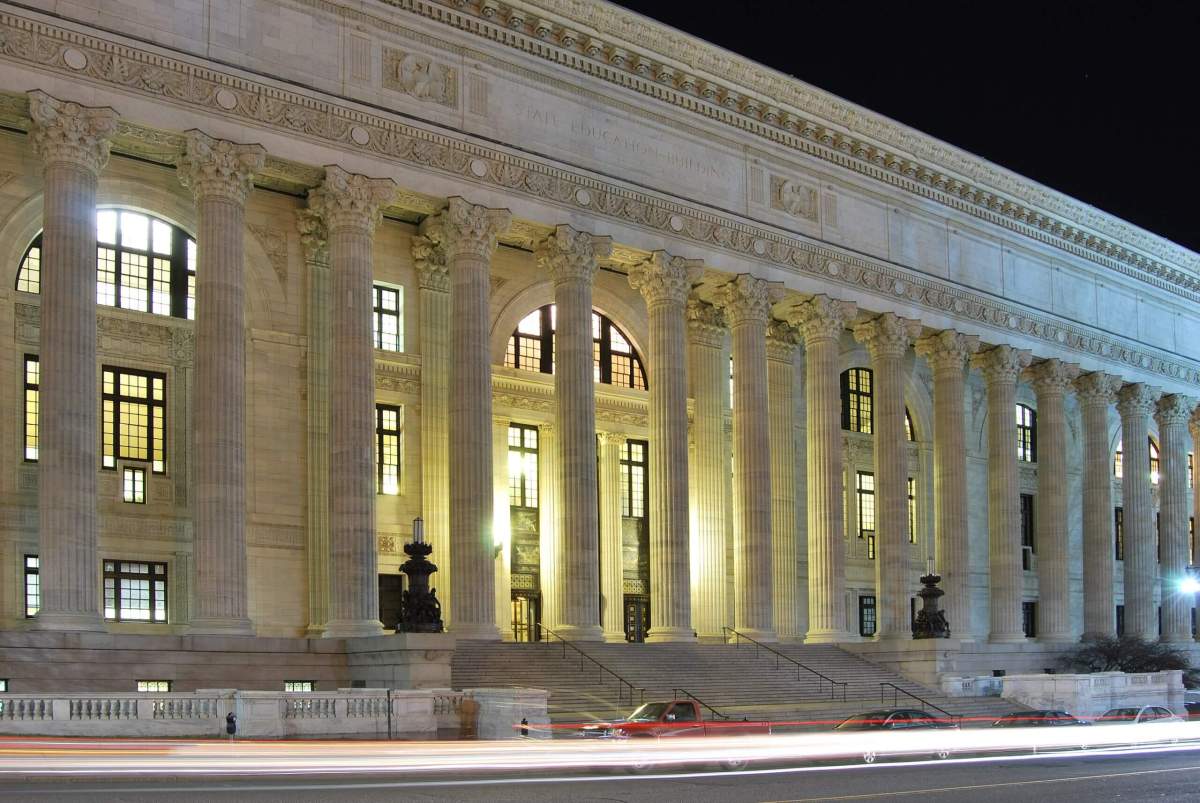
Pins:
x: 1091, y: 695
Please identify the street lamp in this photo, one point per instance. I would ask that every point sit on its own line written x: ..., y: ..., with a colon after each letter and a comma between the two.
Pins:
x: 420, y: 611
x: 1190, y: 583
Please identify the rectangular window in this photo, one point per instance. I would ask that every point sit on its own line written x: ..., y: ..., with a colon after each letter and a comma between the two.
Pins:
x: 29, y: 279
x: 135, y: 591
x: 388, y: 426
x: 154, y: 686
x: 857, y: 412
x: 1027, y: 522
x: 633, y: 479
x: 864, y: 485
x: 1026, y: 434
x: 1120, y: 620
x: 33, y: 586
x: 133, y: 413
x: 32, y: 405
x: 4, y: 684
x: 522, y: 466
x: 133, y: 485
x: 1191, y: 555
x: 912, y: 510
x: 1029, y: 619
x: 866, y: 615
x: 1119, y: 531
x: 1191, y: 470
x: 388, y: 312
x: 871, y: 545
x: 298, y: 685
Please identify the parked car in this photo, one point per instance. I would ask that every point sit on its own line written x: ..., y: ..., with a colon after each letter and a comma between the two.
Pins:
x: 1037, y: 719
x: 1042, y: 739
x: 1137, y: 715
x: 898, y: 719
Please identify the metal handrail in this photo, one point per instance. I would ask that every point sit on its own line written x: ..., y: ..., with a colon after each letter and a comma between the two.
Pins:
x: 758, y: 645
x: 622, y: 682
x: 897, y: 691
x: 675, y: 695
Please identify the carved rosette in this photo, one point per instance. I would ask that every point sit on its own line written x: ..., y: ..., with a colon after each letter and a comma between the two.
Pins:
x: 782, y: 339
x: 664, y: 279
x: 821, y: 318
x: 746, y: 300
x: 471, y: 230
x: 569, y: 256
x: 1097, y: 388
x: 429, y: 255
x: 1173, y: 410
x: 217, y: 168
x: 887, y: 335
x: 313, y: 236
x: 64, y: 132
x: 1052, y: 377
x: 947, y: 350
x: 1001, y: 364
x: 1137, y: 398
x: 706, y: 324
x: 351, y: 200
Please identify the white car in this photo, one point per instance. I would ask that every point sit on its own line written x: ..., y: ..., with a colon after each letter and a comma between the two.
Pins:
x: 1137, y: 715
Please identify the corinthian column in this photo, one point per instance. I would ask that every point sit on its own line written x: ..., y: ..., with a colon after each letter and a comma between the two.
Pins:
x: 1051, y: 379
x: 569, y: 257
x: 947, y: 353
x: 708, y: 373
x: 887, y: 338
x: 1135, y: 402
x: 1000, y: 366
x: 219, y: 174
x: 748, y: 310
x: 821, y: 321
x: 664, y: 282
x: 72, y: 141
x: 781, y: 383
x: 1096, y: 391
x: 470, y: 238
x: 612, y: 587
x: 1172, y: 417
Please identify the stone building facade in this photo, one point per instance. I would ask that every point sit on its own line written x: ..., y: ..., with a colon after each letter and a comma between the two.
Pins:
x: 277, y: 279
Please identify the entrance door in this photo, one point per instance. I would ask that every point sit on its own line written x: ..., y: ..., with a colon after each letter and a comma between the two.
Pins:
x: 637, y: 617
x: 391, y: 588
x: 526, y: 615
x: 866, y: 615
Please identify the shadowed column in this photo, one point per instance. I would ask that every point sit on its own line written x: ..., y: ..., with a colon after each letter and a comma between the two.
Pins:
x: 1172, y: 416
x: 1096, y: 393
x: 781, y: 400
x: 1135, y: 402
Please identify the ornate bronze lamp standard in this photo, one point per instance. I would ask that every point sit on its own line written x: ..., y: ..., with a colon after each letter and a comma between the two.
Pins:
x: 420, y: 611
x: 930, y: 622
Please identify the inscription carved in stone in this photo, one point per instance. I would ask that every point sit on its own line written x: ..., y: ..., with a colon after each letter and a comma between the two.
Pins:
x: 793, y: 197
x: 420, y: 77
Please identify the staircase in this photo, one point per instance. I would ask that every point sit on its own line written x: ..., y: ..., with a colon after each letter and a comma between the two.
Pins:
x: 733, y: 680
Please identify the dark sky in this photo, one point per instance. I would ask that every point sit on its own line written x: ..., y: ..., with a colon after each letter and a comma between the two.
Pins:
x: 1097, y: 100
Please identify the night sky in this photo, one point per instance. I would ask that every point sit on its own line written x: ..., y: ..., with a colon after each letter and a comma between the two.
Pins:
x: 1096, y: 100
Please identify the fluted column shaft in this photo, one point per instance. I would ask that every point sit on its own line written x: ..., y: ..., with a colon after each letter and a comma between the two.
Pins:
x: 612, y: 587
x: 1051, y: 379
x: 708, y: 373
x: 887, y: 338
x: 1096, y: 392
x: 1135, y: 403
x: 502, y: 529
x: 781, y: 400
x: 548, y: 566
x: 470, y: 239
x: 72, y: 142
x: 1000, y: 366
x: 1172, y: 416
x: 821, y: 321
x: 219, y: 174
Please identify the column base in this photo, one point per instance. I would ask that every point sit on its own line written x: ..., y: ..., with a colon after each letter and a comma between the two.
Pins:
x: 466, y: 631
x: 354, y: 628
x: 88, y: 622
x: 671, y: 635
x: 758, y: 634
x: 1007, y: 638
x: 892, y: 638
x: 220, y: 626
x: 314, y: 631
x: 614, y: 638
x: 827, y: 637
x: 580, y: 632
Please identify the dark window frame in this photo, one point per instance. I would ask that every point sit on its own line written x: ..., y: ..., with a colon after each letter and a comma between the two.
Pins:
x: 382, y: 434
x: 155, y: 408
x: 603, y: 354
x: 36, y: 429
x: 859, y: 494
x: 865, y: 608
x: 116, y: 570
x: 522, y: 494
x: 912, y: 510
x: 380, y: 313
x: 1026, y: 433
x: 858, y: 402
x: 1119, y: 533
x: 34, y: 572
x: 1029, y: 618
x: 135, y: 471
x: 631, y: 480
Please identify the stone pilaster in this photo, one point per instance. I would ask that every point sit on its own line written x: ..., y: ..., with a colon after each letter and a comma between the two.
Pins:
x: 1096, y: 393
x: 1001, y: 365
x: 1172, y: 416
x: 570, y: 258
x: 887, y: 338
x: 1051, y: 379
x: 612, y: 617
x: 665, y: 282
x: 821, y: 321
x: 947, y: 353
x: 748, y: 309
x: 782, y: 339
x: 1194, y: 429
x: 350, y: 206
x: 708, y: 374
x: 548, y: 567
x: 470, y: 238
x: 219, y: 174
x: 502, y: 529
x: 1135, y: 402
x: 72, y: 142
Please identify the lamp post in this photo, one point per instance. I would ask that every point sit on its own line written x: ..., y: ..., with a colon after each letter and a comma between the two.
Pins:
x: 420, y: 611
x: 931, y: 621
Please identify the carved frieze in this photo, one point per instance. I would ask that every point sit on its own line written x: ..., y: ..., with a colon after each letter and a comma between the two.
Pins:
x: 794, y: 197
x: 419, y: 76
x: 275, y: 244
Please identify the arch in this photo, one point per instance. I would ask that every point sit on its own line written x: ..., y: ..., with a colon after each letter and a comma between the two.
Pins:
x: 530, y: 347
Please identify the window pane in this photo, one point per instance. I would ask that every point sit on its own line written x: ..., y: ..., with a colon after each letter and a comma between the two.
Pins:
x: 135, y: 231
x: 162, y: 237
x: 106, y: 276
x: 106, y: 226
x: 531, y: 324
x: 30, y: 277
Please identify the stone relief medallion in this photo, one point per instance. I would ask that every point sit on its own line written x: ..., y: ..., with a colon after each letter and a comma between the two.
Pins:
x: 420, y: 77
x: 794, y: 198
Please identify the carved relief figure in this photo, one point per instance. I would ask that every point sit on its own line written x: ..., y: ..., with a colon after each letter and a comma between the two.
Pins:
x: 796, y: 199
x: 420, y: 77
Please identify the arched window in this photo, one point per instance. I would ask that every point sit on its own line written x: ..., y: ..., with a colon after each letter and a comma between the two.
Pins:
x: 614, y: 360
x: 1026, y: 434
x: 857, y: 409
x: 1118, y: 462
x: 909, y: 431
x: 142, y: 263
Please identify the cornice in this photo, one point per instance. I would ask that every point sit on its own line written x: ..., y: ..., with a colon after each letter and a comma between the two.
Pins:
x: 345, y: 125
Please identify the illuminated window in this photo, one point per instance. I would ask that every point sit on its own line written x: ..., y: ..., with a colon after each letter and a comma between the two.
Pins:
x: 33, y: 586
x: 135, y: 591
x: 1154, y: 462
x: 1119, y: 532
x: 633, y: 479
x: 864, y: 487
x: 32, y: 402
x: 1026, y: 434
x: 908, y: 426
x: 154, y: 686
x: 298, y: 685
x: 857, y: 413
x: 1152, y: 448
x: 388, y: 308
x: 912, y: 510
x: 388, y: 425
x: 522, y: 466
x: 142, y: 263
x: 133, y: 413
x: 614, y: 360
x: 133, y: 485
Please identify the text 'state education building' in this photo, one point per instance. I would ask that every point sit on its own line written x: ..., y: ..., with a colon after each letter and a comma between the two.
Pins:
x: 655, y: 339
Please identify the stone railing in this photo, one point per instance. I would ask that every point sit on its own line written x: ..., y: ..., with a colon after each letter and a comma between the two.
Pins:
x: 1092, y: 695
x: 967, y: 686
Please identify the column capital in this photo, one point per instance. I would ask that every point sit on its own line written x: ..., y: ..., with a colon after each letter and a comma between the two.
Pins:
x: 429, y: 255
x: 471, y: 229
x: 569, y: 255
x: 706, y: 323
x: 351, y: 200
x: 821, y: 318
x: 1194, y: 424
x: 218, y: 168
x: 887, y: 335
x: 1052, y: 377
x: 611, y: 438
x: 745, y: 299
x: 1174, y: 410
x: 1097, y: 388
x: 947, y: 350
x: 313, y: 236
x: 1001, y: 363
x: 1137, y: 398
x: 66, y: 132
x: 782, y: 339
x: 664, y: 279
